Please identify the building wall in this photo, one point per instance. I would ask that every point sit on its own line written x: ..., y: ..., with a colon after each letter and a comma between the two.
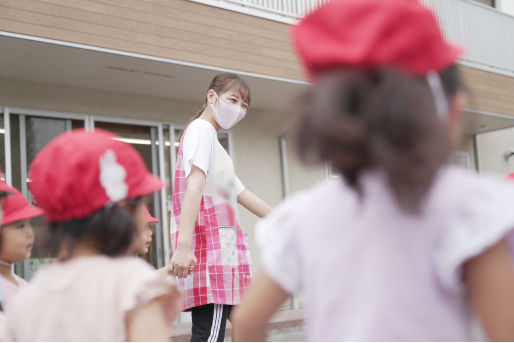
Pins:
x: 192, y: 32
x: 301, y: 176
x: 42, y: 96
x: 489, y: 92
x: 467, y: 145
x: 174, y: 29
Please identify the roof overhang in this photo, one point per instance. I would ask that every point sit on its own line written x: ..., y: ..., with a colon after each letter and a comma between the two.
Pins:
x: 62, y: 63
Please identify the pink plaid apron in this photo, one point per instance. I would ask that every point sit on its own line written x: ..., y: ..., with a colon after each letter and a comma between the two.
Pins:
x: 223, y: 272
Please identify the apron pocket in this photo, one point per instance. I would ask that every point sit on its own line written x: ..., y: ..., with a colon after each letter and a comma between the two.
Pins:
x: 228, y: 246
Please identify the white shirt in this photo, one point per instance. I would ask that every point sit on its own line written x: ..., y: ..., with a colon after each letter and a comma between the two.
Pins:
x: 202, y: 148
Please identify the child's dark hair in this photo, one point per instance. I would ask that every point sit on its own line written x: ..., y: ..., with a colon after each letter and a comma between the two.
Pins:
x: 385, y: 120
x: 110, y: 230
x: 221, y: 83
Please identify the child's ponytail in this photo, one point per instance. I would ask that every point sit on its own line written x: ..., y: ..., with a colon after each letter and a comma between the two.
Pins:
x: 384, y: 120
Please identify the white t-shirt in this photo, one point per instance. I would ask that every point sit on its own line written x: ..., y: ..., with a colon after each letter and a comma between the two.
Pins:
x: 201, y: 148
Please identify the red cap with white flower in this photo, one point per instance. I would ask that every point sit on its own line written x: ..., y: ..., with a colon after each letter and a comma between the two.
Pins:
x: 80, y: 172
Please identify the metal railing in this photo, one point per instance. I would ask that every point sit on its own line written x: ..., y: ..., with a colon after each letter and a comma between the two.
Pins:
x: 288, y: 11
x: 484, y: 32
x: 288, y: 8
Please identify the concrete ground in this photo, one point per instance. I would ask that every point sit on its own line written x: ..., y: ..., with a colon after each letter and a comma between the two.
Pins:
x: 287, y: 334
x: 286, y: 326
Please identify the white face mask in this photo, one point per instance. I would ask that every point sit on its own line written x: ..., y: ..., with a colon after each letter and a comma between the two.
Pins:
x: 228, y: 114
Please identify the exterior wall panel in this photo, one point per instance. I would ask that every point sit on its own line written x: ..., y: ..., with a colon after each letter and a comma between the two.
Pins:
x: 490, y: 92
x: 176, y: 29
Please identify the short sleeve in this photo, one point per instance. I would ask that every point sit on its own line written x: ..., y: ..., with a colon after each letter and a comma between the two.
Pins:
x: 197, y: 146
x: 238, y: 185
x: 483, y: 218
x: 279, y: 249
x: 144, y: 285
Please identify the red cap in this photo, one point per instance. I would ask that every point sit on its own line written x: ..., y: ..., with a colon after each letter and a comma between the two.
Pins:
x: 18, y: 208
x: 510, y: 176
x: 80, y: 172
x: 149, y: 218
x: 371, y: 34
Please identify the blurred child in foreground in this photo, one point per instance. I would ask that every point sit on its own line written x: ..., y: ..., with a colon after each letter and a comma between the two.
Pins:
x: 400, y: 246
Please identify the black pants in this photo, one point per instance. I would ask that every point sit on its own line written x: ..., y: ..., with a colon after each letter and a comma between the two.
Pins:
x: 209, y: 322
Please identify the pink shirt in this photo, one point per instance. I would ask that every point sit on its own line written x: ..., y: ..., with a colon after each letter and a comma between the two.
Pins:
x: 87, y: 299
x: 9, y: 289
x: 369, y: 271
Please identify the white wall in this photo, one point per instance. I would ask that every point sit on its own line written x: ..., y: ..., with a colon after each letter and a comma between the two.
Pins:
x: 467, y: 146
x: 43, y: 96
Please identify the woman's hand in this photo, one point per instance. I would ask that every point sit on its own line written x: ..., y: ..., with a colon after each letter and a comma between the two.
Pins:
x: 183, y: 258
x: 182, y: 263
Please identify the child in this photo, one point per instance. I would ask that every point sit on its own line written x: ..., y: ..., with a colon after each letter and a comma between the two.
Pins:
x: 16, y: 241
x: 92, y: 189
x: 205, y: 233
x: 401, y: 247
x: 141, y: 245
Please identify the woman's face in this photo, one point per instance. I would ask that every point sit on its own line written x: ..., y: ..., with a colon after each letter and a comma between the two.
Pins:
x: 17, y: 240
x: 232, y: 96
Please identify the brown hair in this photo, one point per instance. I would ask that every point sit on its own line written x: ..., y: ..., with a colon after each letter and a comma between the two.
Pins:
x: 110, y: 230
x: 385, y: 120
x: 222, y: 83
